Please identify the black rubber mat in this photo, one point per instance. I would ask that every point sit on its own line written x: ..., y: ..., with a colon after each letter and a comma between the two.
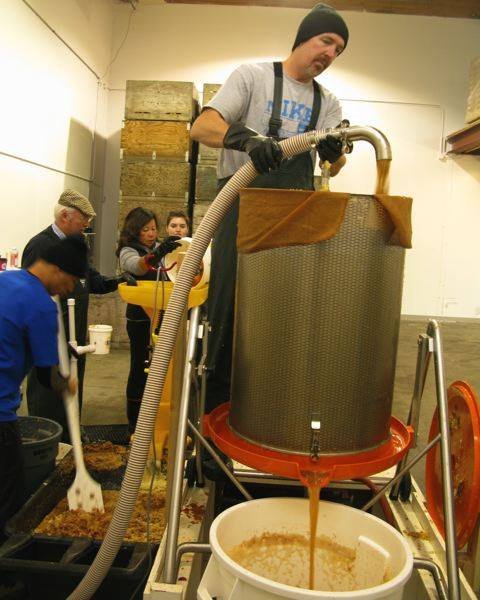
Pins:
x: 117, y: 434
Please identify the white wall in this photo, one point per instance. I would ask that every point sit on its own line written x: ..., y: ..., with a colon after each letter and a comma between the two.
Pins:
x: 51, y: 105
x: 404, y: 75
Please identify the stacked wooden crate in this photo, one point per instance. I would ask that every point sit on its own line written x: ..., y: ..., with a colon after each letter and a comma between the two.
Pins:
x: 473, y: 102
x: 206, y: 176
x: 157, y: 155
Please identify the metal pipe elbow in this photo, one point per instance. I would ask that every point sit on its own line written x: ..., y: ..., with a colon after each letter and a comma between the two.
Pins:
x: 369, y: 134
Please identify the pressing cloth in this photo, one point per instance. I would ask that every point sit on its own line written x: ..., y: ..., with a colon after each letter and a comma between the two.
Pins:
x: 272, y: 218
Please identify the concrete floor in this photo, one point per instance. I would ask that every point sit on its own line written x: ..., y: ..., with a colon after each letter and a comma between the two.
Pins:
x: 104, y: 390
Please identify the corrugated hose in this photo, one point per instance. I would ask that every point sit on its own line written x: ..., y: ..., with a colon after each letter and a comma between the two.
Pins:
x: 166, y: 341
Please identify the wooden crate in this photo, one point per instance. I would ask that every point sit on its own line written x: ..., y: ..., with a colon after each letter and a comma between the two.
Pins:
x: 206, y: 182
x: 156, y: 140
x: 160, y: 206
x: 154, y: 178
x: 209, y: 91
x: 161, y: 100
x: 473, y: 101
x: 199, y: 210
x: 206, y: 154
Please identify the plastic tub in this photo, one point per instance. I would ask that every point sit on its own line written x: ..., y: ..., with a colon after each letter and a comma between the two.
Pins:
x: 100, y: 336
x: 341, y: 524
x: 52, y: 567
x: 40, y: 439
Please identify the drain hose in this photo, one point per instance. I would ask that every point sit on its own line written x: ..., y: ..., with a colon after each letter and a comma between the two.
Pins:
x: 160, y: 361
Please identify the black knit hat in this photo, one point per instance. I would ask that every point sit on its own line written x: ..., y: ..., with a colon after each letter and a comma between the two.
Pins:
x: 69, y: 255
x: 321, y: 19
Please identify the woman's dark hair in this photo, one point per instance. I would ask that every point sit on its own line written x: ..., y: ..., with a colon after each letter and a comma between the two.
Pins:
x: 134, y: 221
x: 173, y: 214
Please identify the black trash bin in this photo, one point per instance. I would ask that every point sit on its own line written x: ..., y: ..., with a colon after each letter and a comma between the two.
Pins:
x: 40, y: 438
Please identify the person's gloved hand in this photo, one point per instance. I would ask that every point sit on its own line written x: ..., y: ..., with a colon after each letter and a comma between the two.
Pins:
x: 168, y: 245
x: 110, y: 284
x: 330, y: 148
x: 127, y: 278
x: 265, y: 152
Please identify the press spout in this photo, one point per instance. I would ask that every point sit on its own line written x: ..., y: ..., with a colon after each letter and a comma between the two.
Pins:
x: 353, y: 133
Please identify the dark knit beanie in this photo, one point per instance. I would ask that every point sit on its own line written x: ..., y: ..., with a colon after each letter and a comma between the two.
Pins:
x: 321, y: 19
x: 69, y: 255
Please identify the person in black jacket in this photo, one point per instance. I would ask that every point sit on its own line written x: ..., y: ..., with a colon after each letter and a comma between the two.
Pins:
x: 140, y: 254
x: 72, y: 214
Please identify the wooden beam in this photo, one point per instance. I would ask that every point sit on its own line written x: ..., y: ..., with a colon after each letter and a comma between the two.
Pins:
x: 466, y: 9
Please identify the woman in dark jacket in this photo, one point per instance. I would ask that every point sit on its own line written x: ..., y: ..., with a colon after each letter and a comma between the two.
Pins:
x: 140, y: 254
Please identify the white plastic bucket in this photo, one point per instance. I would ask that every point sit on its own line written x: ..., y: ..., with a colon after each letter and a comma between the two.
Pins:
x: 174, y: 259
x: 343, y: 525
x: 100, y: 336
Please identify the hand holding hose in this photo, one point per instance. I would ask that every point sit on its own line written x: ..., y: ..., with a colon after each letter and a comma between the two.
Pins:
x: 168, y: 245
x: 265, y: 152
x: 330, y: 148
x: 127, y: 278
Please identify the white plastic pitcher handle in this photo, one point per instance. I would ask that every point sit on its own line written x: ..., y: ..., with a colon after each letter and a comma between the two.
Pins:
x: 238, y: 591
x: 371, y: 563
x: 203, y: 593
x: 63, y: 359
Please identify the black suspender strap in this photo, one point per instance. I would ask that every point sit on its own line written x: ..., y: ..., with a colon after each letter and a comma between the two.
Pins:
x: 275, y: 120
x: 317, y: 103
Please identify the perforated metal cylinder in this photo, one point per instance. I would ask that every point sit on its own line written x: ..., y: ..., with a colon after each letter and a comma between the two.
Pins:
x: 316, y: 331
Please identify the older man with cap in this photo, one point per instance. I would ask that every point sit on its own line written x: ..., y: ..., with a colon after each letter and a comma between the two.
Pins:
x: 72, y: 215
x: 28, y: 338
x: 258, y: 105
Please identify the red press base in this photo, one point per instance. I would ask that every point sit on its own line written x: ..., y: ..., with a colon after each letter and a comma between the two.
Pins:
x: 299, y: 466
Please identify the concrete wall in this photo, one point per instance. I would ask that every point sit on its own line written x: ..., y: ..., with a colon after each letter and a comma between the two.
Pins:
x: 404, y: 75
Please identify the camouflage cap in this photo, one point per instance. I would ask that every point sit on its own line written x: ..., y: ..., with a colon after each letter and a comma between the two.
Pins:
x: 76, y: 200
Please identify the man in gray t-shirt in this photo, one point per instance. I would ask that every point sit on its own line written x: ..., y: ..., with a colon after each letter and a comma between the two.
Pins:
x: 247, y: 97
x: 258, y: 105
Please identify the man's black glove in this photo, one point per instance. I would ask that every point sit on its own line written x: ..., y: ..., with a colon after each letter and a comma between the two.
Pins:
x: 265, y: 152
x: 168, y: 245
x: 127, y: 278
x: 330, y: 148
x: 110, y: 284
